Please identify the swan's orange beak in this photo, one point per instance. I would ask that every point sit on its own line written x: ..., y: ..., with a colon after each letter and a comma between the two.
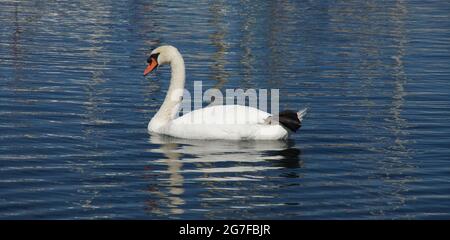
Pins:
x: 150, y: 67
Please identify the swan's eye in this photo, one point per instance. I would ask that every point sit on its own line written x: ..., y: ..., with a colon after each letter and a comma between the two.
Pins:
x: 154, y: 56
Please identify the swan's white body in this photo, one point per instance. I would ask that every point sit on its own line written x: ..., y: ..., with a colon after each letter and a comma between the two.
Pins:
x: 232, y: 122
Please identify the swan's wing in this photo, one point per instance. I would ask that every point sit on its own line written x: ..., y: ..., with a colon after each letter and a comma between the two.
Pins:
x: 224, y: 114
x: 226, y: 122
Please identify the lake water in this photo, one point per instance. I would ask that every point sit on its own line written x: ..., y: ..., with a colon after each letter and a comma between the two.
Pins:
x: 74, y: 109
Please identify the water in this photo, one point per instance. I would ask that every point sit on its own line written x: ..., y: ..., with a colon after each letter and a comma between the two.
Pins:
x: 74, y: 108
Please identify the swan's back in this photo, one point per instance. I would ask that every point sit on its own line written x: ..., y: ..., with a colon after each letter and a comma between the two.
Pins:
x: 224, y: 114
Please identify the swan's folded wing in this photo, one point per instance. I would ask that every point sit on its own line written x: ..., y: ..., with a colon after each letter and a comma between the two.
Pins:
x: 224, y: 114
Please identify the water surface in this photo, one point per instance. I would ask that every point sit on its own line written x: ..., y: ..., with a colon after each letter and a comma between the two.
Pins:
x: 74, y: 109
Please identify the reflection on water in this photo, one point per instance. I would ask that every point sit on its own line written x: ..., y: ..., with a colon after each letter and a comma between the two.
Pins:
x: 74, y: 109
x: 211, y: 164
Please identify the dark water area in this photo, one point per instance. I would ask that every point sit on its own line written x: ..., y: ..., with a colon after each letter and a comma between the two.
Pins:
x: 74, y: 109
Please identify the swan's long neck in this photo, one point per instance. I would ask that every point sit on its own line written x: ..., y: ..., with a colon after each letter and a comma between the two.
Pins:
x: 169, y: 108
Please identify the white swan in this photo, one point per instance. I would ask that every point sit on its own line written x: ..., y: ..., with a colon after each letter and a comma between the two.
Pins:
x: 232, y: 122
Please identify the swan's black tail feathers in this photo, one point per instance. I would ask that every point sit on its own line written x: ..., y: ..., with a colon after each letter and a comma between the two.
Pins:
x: 291, y: 120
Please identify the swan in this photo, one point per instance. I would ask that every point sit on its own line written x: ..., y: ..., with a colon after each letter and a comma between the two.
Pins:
x: 227, y: 122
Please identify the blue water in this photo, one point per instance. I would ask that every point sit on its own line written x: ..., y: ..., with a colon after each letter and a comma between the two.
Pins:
x: 74, y: 109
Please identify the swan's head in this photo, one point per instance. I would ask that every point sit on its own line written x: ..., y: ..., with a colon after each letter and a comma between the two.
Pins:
x: 159, y: 56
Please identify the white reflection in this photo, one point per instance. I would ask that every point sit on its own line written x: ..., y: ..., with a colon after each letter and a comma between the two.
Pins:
x: 219, y: 150
x: 211, y: 163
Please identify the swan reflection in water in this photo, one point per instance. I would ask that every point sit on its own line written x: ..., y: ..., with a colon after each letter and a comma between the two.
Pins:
x: 213, y: 166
